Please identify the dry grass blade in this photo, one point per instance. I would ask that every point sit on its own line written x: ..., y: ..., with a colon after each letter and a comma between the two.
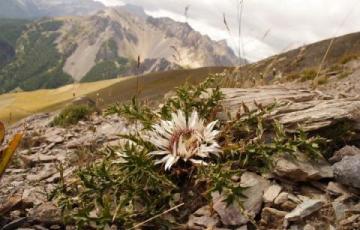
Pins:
x: 2, y: 132
x: 5, y: 155
x: 154, y: 217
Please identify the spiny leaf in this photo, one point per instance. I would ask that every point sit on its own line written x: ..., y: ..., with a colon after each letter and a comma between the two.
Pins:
x: 5, y: 155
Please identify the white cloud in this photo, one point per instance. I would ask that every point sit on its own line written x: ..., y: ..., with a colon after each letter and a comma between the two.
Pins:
x: 286, y: 23
x: 111, y: 2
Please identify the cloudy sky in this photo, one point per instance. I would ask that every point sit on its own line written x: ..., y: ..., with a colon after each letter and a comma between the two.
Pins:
x: 268, y: 26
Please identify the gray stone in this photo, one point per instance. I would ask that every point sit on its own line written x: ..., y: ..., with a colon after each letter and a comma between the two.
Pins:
x: 302, y: 169
x: 203, y: 218
x: 46, y: 213
x: 345, y: 151
x: 15, y: 224
x: 47, y: 171
x: 282, y: 198
x: 349, y: 222
x: 54, y: 135
x: 347, y: 171
x: 271, y: 193
x: 340, y: 209
x: 229, y: 214
x: 304, y: 209
x: 33, y: 159
x: 336, y: 189
x: 309, y: 227
x: 271, y: 218
x: 34, y: 196
x: 233, y: 214
x: 111, y: 130
x: 256, y: 185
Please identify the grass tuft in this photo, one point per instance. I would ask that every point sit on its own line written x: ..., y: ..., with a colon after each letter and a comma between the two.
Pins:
x: 71, y: 115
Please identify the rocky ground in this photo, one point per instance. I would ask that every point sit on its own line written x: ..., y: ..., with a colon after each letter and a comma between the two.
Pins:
x: 34, y: 173
x: 298, y: 194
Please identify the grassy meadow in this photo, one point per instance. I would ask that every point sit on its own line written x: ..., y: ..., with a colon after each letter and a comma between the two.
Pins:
x: 15, y: 106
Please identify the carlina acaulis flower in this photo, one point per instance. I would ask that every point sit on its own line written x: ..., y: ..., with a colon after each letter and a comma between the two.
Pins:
x: 181, y: 138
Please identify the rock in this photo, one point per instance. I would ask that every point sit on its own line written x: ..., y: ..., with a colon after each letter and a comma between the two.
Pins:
x: 271, y: 193
x: 202, y: 222
x: 15, y: 224
x: 54, y: 135
x: 344, y: 205
x: 46, y: 213
x: 256, y: 185
x: 10, y: 204
x: 345, y: 151
x: 34, y: 196
x: 340, y: 209
x: 203, y: 218
x: 31, y: 160
x: 336, y: 189
x: 282, y: 198
x: 302, y: 169
x: 86, y: 139
x: 304, y: 209
x: 232, y: 214
x: 271, y: 218
x: 56, y: 177
x: 111, y: 130
x: 47, y: 171
x: 229, y: 215
x: 308, y: 108
x: 309, y: 227
x: 352, y: 222
x: 347, y: 171
x: 288, y: 205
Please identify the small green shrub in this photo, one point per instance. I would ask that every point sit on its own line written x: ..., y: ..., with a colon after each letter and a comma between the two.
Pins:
x: 343, y: 75
x: 72, y: 115
x: 335, y: 68
x: 347, y: 58
x: 322, y: 80
x: 308, y: 74
x: 292, y: 77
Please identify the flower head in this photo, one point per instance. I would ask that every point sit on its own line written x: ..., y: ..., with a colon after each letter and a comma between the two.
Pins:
x: 185, y: 139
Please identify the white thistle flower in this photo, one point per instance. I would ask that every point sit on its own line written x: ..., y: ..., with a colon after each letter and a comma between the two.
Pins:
x: 184, y: 139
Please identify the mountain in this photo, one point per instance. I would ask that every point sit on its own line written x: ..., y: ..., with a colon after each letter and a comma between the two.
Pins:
x: 294, y: 69
x: 301, y: 65
x: 52, y: 52
x: 28, y: 9
x: 11, y: 30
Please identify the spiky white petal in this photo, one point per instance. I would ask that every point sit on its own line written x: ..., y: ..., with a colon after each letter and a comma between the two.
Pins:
x: 186, y: 139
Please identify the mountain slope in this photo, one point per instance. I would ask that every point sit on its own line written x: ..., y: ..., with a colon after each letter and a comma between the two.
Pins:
x: 56, y: 51
x: 11, y: 30
x: 296, y: 64
x: 131, y: 36
x: 40, y: 8
x: 14, y: 106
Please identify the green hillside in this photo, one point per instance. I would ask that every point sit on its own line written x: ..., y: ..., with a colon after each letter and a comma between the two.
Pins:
x: 37, y: 64
x: 10, y: 31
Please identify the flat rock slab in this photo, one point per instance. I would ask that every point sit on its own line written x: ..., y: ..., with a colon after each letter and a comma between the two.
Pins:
x: 312, y: 109
x: 304, y: 209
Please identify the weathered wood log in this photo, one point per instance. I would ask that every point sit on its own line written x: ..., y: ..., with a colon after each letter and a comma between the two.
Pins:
x: 312, y: 110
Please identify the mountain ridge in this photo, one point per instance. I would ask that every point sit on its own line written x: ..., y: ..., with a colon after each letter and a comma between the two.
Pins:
x: 31, y: 9
x: 106, y: 45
